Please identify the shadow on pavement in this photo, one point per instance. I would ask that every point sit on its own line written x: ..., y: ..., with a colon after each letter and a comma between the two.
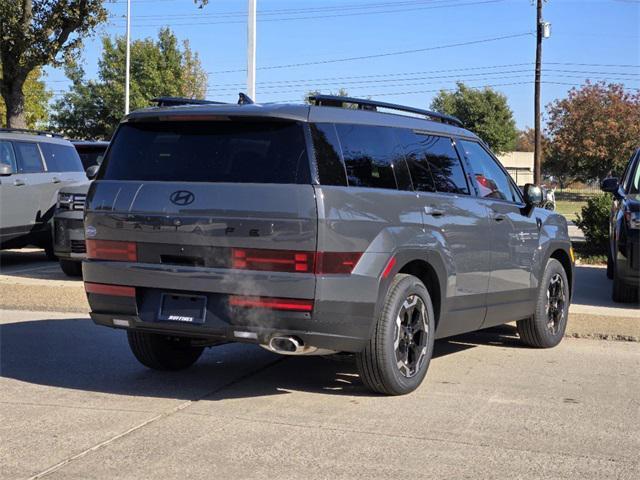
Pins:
x: 30, y: 263
x: 592, y: 287
x: 76, y: 354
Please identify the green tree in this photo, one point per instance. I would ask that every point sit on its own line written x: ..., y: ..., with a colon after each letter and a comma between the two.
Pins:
x: 34, y: 33
x: 485, y: 112
x: 35, y: 103
x: 162, y: 67
x: 592, y: 131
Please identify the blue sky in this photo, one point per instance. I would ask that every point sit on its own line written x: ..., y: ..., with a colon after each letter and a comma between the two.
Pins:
x: 591, y: 39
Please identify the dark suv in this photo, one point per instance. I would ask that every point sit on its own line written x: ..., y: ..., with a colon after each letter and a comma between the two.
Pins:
x: 623, y: 259
x: 315, y: 229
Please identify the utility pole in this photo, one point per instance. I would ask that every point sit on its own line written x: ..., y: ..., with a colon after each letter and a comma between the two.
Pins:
x: 543, y: 30
x: 127, y: 60
x: 251, y: 50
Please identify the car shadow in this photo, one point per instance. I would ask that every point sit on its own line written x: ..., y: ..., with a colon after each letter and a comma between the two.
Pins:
x: 593, y: 288
x: 76, y: 354
x: 31, y: 263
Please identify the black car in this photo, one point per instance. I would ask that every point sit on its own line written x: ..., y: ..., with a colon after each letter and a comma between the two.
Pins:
x: 90, y: 151
x: 623, y: 264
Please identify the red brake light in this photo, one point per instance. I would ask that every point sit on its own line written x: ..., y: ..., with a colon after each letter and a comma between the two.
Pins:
x: 288, y: 304
x: 336, y: 262
x: 272, y: 260
x: 105, y: 289
x: 112, y: 250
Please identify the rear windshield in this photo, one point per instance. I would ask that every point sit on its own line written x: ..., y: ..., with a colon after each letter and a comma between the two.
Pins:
x: 231, y: 151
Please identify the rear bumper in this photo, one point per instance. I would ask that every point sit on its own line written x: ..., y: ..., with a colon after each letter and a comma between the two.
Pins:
x: 342, y: 317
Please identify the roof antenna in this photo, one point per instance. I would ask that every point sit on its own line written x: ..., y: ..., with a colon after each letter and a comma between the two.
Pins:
x: 244, y: 99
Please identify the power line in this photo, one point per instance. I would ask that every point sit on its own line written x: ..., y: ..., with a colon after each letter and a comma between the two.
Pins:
x: 316, y: 17
x: 380, y: 55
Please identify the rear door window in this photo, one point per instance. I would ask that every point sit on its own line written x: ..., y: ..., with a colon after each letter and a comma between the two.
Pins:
x: 491, y: 179
x: 369, y: 153
x: 29, y: 158
x: 433, y: 163
x: 199, y: 151
x: 61, y: 158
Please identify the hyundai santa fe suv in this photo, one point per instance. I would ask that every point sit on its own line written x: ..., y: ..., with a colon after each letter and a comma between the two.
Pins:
x: 316, y: 229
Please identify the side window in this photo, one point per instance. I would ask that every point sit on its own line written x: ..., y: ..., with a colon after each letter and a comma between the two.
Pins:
x: 7, y: 155
x: 434, y: 163
x: 491, y: 180
x: 369, y: 153
x: 61, y: 158
x: 327, y: 152
x: 28, y: 157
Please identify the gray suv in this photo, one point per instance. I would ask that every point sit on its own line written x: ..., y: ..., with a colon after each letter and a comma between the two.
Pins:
x: 33, y: 167
x: 316, y: 229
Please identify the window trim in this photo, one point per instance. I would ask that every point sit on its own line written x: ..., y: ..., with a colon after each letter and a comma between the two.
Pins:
x: 515, y: 188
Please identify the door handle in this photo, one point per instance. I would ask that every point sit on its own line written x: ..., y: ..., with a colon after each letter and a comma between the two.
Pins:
x: 499, y: 217
x: 55, y: 180
x: 434, y: 212
x: 18, y: 182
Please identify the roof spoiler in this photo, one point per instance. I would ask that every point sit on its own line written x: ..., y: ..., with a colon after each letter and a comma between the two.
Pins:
x: 243, y: 99
x: 175, y: 101
x: 373, y: 105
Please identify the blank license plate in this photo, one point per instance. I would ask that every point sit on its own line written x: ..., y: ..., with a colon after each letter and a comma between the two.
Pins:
x: 182, y: 308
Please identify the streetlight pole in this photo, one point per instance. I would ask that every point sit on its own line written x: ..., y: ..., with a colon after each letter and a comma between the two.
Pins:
x: 251, y: 50
x: 127, y: 60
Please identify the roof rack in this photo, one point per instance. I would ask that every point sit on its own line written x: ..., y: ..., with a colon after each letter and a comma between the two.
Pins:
x: 373, y: 105
x: 33, y: 132
x: 175, y: 101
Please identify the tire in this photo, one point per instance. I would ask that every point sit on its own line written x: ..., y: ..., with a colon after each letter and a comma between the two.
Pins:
x: 623, y: 292
x: 49, y: 252
x: 542, y: 330
x: 378, y: 363
x: 161, y: 352
x: 609, y: 266
x: 71, y: 268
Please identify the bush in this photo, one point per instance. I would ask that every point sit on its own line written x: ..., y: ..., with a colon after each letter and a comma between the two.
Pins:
x: 594, y: 221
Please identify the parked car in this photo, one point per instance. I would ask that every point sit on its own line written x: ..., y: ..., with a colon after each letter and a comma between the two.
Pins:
x: 91, y: 151
x: 33, y: 167
x: 315, y: 229
x: 623, y: 257
x: 68, y: 225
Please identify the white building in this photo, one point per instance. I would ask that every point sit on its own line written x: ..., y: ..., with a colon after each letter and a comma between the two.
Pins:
x: 519, y: 165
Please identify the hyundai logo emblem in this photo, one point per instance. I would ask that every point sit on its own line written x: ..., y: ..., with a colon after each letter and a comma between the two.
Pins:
x: 182, y: 197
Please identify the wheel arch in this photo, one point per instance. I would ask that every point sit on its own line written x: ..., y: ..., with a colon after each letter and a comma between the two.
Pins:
x: 429, y: 268
x: 564, y: 258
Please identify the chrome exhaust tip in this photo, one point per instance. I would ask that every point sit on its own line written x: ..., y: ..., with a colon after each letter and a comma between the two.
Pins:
x: 289, y: 345
x: 286, y: 345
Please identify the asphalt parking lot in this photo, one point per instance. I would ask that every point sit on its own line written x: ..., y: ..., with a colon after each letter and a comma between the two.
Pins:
x: 76, y: 404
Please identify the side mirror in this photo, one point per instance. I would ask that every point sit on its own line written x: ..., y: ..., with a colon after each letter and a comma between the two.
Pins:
x: 532, y: 195
x: 5, y: 170
x: 92, y: 171
x: 610, y: 185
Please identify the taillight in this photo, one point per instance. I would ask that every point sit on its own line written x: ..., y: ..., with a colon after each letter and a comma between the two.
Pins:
x: 112, y: 250
x: 293, y: 261
x: 336, y: 262
x: 288, y: 304
x: 272, y: 260
x: 106, y: 289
